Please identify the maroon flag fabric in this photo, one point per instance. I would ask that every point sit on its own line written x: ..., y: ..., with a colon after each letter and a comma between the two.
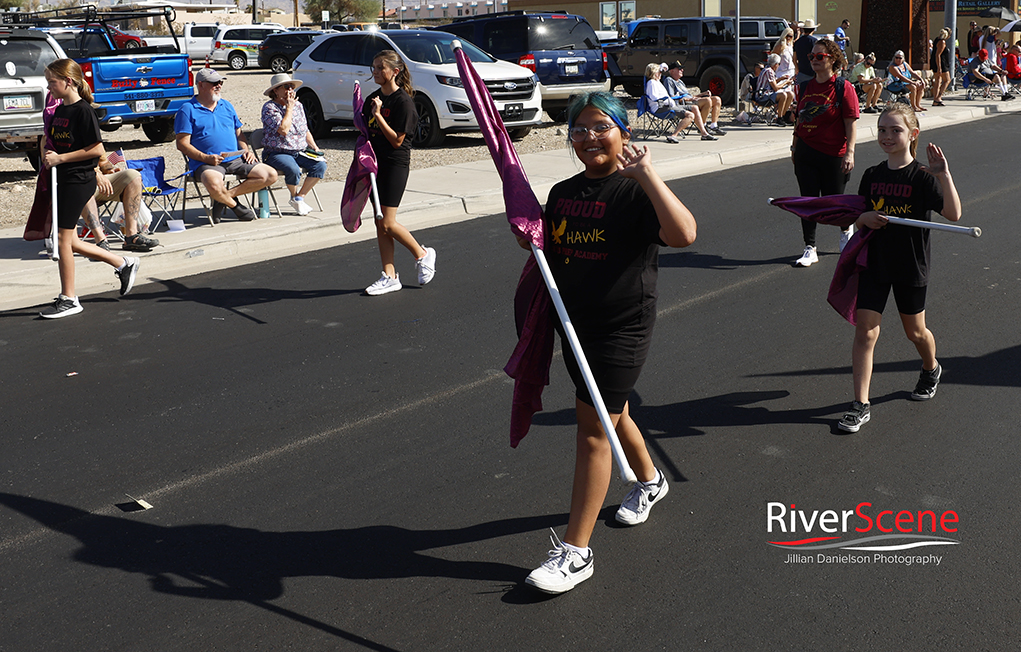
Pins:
x: 530, y: 362
x: 842, y: 211
x: 40, y: 217
x: 358, y: 185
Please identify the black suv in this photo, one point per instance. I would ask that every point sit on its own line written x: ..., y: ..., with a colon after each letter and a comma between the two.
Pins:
x: 278, y: 51
x: 561, y: 49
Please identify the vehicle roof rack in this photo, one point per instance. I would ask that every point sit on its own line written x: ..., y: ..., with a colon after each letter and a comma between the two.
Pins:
x: 516, y: 12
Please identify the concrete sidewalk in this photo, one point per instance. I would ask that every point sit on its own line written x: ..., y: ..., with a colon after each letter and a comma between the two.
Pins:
x: 434, y: 197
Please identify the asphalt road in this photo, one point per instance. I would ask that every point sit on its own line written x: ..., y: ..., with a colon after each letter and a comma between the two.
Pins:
x: 330, y: 471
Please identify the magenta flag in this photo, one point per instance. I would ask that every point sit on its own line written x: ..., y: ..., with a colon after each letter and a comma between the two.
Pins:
x: 358, y: 185
x: 842, y: 211
x: 530, y: 362
x: 40, y: 217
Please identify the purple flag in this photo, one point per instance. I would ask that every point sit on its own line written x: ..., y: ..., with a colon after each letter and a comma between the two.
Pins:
x: 358, y: 185
x: 529, y: 363
x: 842, y: 211
x: 40, y: 217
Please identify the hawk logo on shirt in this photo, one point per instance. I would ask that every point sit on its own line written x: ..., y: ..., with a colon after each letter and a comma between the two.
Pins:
x: 559, y: 231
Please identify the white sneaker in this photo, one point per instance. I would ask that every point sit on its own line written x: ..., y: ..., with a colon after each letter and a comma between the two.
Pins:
x: 300, y: 205
x: 426, y: 266
x: 564, y: 570
x: 384, y: 285
x: 845, y: 236
x: 807, y: 258
x: 639, y: 501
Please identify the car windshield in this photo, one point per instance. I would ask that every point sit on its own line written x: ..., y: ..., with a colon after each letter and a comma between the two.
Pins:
x: 25, y: 57
x: 434, y: 47
x: 561, y: 34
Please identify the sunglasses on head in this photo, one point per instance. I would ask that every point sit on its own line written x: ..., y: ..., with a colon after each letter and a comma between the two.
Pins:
x: 818, y: 56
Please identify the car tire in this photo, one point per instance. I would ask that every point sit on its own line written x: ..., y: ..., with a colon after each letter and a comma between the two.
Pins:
x: 428, y: 133
x: 718, y: 80
x: 237, y: 61
x: 633, y: 89
x: 130, y: 45
x: 519, y: 133
x: 279, y: 64
x: 159, y: 131
x: 317, y: 125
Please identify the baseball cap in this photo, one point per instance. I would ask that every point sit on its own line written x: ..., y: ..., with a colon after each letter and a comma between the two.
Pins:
x: 209, y: 75
x: 676, y: 65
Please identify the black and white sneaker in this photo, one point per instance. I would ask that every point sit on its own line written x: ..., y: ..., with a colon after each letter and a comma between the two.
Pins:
x: 139, y: 242
x: 564, y: 570
x: 716, y: 130
x: 62, y: 307
x: 639, y: 501
x: 927, y: 383
x: 855, y: 418
x: 127, y: 274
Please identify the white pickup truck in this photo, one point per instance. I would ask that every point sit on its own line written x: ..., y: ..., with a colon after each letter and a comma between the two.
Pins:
x: 196, y: 39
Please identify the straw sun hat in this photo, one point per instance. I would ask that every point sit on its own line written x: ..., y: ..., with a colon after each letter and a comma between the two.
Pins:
x: 280, y: 80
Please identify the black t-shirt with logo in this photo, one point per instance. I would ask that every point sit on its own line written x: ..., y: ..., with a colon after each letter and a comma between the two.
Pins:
x: 602, y: 244
x: 399, y: 112
x: 897, y: 253
x: 75, y: 127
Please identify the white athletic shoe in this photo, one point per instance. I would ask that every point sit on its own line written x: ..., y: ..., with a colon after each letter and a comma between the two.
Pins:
x: 300, y: 205
x: 564, y: 570
x: 426, y: 266
x: 639, y: 501
x: 845, y: 236
x: 807, y: 258
x: 384, y: 285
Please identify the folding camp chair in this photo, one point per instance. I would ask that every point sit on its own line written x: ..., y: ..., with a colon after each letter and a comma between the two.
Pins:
x: 200, y: 190
x: 654, y: 124
x: 255, y: 142
x: 159, y: 196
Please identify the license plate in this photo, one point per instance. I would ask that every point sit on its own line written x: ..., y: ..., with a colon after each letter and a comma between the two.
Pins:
x: 17, y: 102
x: 513, y: 111
x: 145, y: 106
x: 570, y: 68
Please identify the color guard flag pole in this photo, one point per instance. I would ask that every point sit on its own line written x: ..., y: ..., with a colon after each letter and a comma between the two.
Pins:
x: 520, y: 201
x: 55, y: 255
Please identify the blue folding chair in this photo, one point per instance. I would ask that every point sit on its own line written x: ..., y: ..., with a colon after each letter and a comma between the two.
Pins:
x: 157, y: 193
x: 654, y: 124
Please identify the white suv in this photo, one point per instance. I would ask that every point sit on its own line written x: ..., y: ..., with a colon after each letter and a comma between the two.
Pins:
x: 238, y: 45
x: 333, y: 62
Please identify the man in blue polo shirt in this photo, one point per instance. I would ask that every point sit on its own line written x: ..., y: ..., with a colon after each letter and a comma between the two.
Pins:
x: 209, y: 134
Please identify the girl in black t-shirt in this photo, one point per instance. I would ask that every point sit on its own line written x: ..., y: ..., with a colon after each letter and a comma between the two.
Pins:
x: 604, y: 229
x: 390, y: 116
x: 898, y: 256
x: 77, y: 146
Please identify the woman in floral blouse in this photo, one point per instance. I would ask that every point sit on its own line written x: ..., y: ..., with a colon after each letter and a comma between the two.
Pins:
x: 288, y: 144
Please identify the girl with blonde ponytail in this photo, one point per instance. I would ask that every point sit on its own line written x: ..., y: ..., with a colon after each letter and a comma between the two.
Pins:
x: 391, y: 118
x: 77, y: 145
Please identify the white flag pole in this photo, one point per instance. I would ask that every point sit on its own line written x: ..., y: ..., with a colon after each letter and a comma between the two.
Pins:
x: 55, y: 254
x: 626, y: 474
x: 973, y: 231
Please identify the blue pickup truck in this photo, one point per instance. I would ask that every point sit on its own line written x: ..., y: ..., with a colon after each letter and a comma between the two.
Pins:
x: 142, y: 86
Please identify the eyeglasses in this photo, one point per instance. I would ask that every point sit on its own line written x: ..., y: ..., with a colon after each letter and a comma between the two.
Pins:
x: 599, y: 132
x: 895, y: 58
x: 818, y: 56
x: 215, y: 84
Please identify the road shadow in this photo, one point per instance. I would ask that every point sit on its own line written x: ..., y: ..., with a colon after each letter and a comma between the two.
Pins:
x: 698, y: 260
x: 230, y: 299
x: 222, y: 562
x: 995, y: 369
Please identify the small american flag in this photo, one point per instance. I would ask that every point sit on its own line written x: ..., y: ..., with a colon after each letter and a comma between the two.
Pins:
x: 115, y: 157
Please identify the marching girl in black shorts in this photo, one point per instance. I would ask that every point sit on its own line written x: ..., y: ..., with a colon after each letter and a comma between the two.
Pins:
x: 390, y: 115
x: 898, y: 256
x: 604, y: 230
x: 77, y: 146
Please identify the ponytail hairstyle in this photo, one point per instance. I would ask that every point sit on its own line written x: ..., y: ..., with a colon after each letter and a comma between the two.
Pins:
x: 69, y: 69
x: 910, y: 119
x: 395, y: 62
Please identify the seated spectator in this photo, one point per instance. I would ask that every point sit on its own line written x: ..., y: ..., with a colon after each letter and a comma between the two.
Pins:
x: 209, y: 134
x: 863, y: 76
x: 659, y: 99
x: 123, y: 185
x: 770, y: 90
x: 285, y: 138
x: 903, y: 79
x: 1012, y: 63
x: 708, y: 105
x: 985, y: 73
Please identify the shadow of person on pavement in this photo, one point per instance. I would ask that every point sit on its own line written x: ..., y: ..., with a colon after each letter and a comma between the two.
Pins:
x: 698, y: 260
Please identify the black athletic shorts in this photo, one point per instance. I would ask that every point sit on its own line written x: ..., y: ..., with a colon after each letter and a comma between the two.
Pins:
x: 872, y: 295
x: 391, y: 182
x: 615, y: 382
x: 71, y: 199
